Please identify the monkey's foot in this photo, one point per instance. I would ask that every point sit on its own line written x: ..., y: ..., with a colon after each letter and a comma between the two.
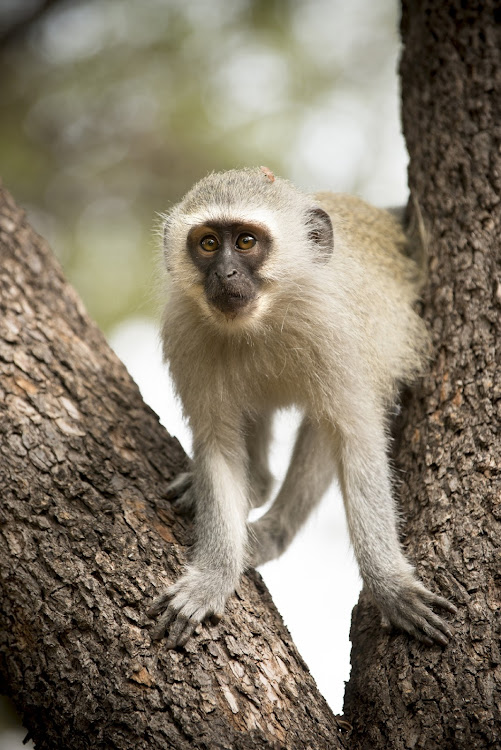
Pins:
x: 410, y: 608
x: 197, y: 595
x: 180, y: 493
x: 260, y: 486
x: 267, y: 541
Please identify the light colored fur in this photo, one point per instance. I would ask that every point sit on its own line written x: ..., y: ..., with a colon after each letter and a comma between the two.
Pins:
x: 334, y: 338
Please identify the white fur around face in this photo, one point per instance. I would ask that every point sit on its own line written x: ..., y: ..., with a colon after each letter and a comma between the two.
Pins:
x: 237, y: 212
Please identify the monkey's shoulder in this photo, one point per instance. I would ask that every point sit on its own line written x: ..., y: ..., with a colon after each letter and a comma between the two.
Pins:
x: 375, y: 235
x: 348, y: 207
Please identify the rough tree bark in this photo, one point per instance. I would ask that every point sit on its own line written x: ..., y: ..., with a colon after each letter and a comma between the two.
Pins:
x: 85, y: 544
x: 402, y: 695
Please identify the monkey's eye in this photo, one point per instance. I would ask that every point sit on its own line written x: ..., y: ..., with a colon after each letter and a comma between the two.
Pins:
x: 209, y: 243
x: 246, y: 241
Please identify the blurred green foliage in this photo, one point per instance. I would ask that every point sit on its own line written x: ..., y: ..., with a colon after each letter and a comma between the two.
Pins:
x: 111, y: 109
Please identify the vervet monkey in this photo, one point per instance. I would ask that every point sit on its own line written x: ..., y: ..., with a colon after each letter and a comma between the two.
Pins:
x: 277, y: 298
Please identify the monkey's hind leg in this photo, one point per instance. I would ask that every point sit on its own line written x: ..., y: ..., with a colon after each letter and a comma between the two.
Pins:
x: 180, y: 493
x: 310, y: 473
x: 258, y: 434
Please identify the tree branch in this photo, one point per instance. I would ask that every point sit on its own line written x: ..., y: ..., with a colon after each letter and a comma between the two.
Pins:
x: 86, y: 542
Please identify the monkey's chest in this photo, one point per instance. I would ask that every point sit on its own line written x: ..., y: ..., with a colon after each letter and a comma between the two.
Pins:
x: 267, y: 378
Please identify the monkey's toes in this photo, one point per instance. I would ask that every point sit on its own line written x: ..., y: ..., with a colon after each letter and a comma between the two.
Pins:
x: 179, y: 485
x: 180, y: 493
x: 412, y: 612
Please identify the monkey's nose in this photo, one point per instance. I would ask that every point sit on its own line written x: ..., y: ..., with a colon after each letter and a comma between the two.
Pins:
x: 226, y: 273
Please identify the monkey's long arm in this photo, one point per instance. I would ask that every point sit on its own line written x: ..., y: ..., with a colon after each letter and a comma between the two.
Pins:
x: 372, y: 522
x: 218, y: 559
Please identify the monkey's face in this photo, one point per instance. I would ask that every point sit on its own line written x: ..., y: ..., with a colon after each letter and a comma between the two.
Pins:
x: 229, y: 256
x: 239, y: 241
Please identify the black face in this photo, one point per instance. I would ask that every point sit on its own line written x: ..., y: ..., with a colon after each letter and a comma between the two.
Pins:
x: 229, y: 255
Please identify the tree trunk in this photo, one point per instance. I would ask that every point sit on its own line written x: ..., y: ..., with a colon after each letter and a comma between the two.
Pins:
x: 401, y: 694
x: 86, y: 543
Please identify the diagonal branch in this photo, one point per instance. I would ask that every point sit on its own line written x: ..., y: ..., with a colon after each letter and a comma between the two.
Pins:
x: 86, y: 542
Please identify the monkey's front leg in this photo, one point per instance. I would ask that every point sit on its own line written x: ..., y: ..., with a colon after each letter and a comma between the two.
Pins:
x: 372, y: 520
x: 219, y: 486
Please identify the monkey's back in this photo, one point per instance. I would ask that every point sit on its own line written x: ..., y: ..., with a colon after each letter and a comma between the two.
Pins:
x: 375, y: 233
x: 370, y: 262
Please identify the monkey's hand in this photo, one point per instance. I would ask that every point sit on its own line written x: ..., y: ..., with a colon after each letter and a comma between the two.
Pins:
x: 409, y: 607
x: 196, y: 595
x: 180, y: 493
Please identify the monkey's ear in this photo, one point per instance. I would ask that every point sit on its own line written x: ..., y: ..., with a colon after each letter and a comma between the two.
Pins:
x: 319, y: 226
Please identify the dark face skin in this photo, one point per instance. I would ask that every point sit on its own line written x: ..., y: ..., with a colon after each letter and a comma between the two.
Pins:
x: 230, y: 255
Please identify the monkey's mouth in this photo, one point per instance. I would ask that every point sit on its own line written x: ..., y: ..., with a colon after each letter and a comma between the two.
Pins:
x: 232, y: 296
x: 232, y: 303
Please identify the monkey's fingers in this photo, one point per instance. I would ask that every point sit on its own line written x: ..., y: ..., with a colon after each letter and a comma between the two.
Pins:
x: 168, y: 612
x: 180, y: 634
x: 159, y: 604
x: 179, y: 485
x: 180, y: 624
x: 181, y: 630
x: 429, y: 628
x: 412, y: 613
x: 438, y: 601
x: 163, y: 623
